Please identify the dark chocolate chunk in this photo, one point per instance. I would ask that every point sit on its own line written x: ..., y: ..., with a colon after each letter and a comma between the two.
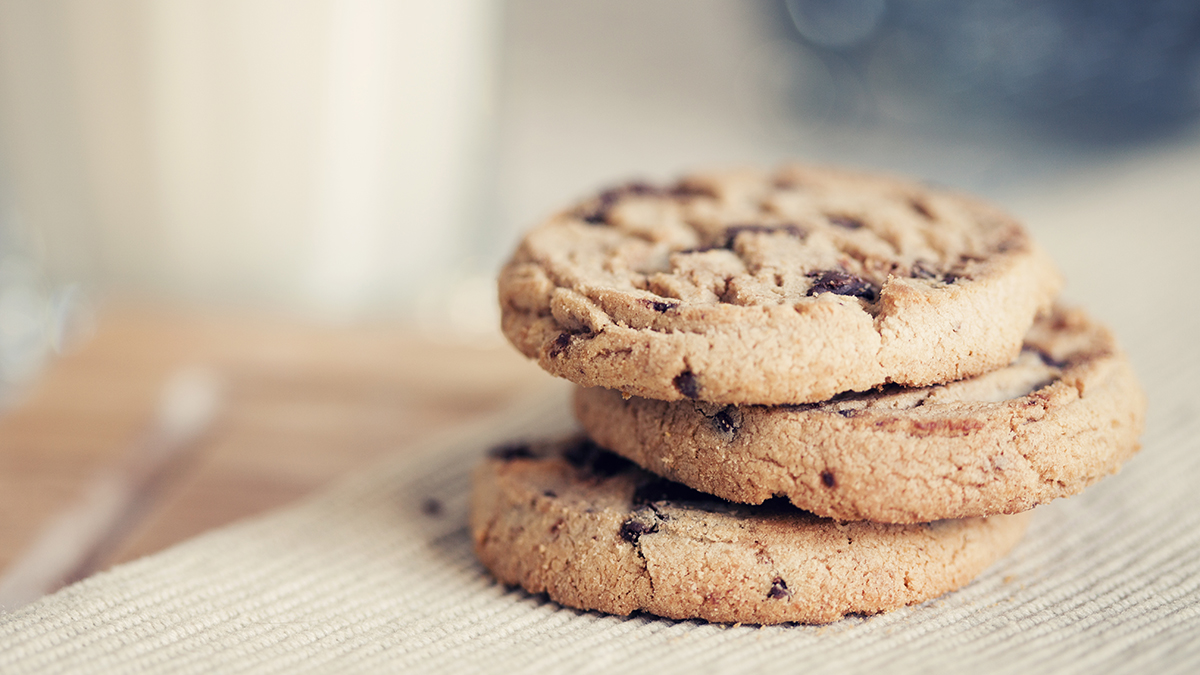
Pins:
x: 598, y: 213
x: 732, y: 232
x: 560, y: 345
x: 687, y: 384
x: 828, y: 479
x: 779, y: 589
x: 848, y: 222
x: 660, y: 306
x: 723, y: 422
x: 633, y: 529
x: 842, y: 283
x: 431, y: 507
x: 511, y: 451
x: 550, y: 493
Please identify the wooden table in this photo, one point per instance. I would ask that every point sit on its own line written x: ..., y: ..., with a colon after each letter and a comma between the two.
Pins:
x: 302, y: 404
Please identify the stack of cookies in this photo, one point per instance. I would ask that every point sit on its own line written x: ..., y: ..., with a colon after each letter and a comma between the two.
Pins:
x: 804, y: 393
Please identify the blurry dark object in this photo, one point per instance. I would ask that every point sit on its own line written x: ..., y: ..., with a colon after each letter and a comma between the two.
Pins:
x: 1106, y: 71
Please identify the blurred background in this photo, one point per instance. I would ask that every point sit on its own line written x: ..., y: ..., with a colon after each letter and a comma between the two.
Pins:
x: 315, y: 195
x: 343, y: 159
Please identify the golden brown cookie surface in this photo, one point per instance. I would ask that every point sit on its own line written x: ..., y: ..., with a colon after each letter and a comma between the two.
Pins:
x: 594, y: 532
x: 1064, y: 414
x: 773, y: 287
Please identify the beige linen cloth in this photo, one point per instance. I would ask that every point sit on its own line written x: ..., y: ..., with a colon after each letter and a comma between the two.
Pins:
x: 369, y: 577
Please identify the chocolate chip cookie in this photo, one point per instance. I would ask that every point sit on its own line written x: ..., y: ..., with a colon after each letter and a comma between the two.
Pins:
x: 781, y: 287
x: 593, y: 531
x: 1065, y: 413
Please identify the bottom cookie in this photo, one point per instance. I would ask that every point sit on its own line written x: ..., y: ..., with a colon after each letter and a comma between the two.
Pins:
x: 593, y: 531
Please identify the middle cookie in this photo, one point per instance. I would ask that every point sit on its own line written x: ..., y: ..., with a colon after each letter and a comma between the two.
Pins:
x: 1065, y: 413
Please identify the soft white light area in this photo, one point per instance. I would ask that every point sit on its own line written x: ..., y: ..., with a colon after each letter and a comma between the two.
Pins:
x: 320, y: 155
x: 408, y: 90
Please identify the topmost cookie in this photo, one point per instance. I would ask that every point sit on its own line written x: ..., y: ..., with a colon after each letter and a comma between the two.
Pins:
x: 774, y: 287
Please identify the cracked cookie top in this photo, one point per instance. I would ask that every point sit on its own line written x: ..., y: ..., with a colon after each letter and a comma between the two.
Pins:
x: 773, y: 287
x: 595, y: 532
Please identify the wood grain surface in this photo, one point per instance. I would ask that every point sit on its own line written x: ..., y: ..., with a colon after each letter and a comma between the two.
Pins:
x: 302, y: 404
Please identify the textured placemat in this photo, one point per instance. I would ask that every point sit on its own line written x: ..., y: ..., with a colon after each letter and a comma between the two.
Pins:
x: 376, y: 573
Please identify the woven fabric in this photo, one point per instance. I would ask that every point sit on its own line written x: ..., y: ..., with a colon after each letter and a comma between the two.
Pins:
x: 368, y: 577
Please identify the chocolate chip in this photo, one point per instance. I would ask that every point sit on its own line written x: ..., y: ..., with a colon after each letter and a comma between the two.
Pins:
x: 921, y: 208
x: 550, y: 493
x: 431, y: 507
x: 511, y: 451
x: 847, y: 222
x: 559, y: 345
x: 924, y: 270
x: 687, y: 384
x: 732, y: 232
x: 633, y: 529
x: 659, y: 306
x: 779, y: 589
x: 598, y: 213
x: 842, y: 283
x: 723, y: 422
x: 644, y: 520
x: 828, y: 479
